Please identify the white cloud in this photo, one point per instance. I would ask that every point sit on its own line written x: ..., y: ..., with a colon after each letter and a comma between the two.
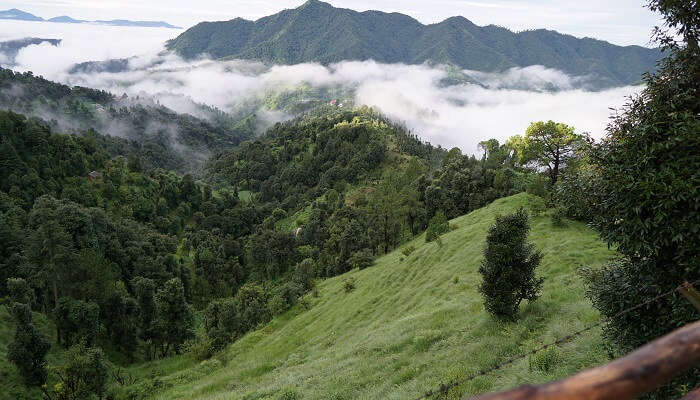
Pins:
x: 450, y: 116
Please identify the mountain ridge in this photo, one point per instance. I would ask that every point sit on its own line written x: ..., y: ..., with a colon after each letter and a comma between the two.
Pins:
x: 319, y: 32
x: 19, y: 15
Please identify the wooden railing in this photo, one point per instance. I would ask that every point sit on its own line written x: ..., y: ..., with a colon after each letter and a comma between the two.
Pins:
x: 626, y: 378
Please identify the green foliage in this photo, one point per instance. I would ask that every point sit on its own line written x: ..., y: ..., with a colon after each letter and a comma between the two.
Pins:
x: 349, y: 284
x: 396, y: 38
x: 438, y: 225
x: 546, y: 145
x: 20, y: 291
x: 174, y: 319
x: 76, y: 321
x: 558, y: 215
x: 28, y: 349
x: 361, y: 259
x: 82, y: 375
x: 406, y: 251
x: 508, y: 268
x: 545, y: 360
x: 646, y: 195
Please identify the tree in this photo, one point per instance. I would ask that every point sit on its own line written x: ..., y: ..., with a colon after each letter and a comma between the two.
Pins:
x: 438, y: 225
x: 20, y: 291
x: 79, y: 321
x: 646, y: 197
x: 83, y: 374
x: 174, y: 318
x: 221, y: 322
x: 28, y: 348
x: 251, y: 302
x: 547, y: 145
x: 508, y: 268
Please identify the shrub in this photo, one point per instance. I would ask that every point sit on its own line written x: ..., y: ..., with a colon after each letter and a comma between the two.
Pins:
x: 406, y: 251
x: 558, y: 216
x: 349, y: 284
x: 508, y: 268
x: 544, y: 360
x: 202, y: 348
x: 438, y: 225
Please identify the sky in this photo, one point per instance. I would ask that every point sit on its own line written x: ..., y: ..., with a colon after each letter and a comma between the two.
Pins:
x: 623, y: 22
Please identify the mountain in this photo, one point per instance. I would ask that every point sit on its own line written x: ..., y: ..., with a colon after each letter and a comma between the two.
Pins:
x: 66, y: 20
x: 19, y: 15
x: 132, y: 126
x: 145, y: 24
x: 25, y: 16
x: 319, y: 32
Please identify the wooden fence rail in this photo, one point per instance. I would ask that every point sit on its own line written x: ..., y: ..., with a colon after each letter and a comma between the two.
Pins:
x: 626, y: 378
x: 694, y: 395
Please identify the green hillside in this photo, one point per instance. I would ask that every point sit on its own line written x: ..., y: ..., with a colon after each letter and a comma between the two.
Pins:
x: 318, y: 32
x: 413, y: 322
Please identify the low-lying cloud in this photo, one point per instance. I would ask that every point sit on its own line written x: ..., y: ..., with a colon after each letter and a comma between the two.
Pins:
x: 503, y: 104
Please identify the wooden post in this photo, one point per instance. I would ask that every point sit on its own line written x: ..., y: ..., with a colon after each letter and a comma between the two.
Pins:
x: 626, y: 378
x: 690, y: 293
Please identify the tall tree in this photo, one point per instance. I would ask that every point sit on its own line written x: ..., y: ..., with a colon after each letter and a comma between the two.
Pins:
x: 174, y: 318
x: 29, y: 347
x: 546, y: 145
x: 647, y: 201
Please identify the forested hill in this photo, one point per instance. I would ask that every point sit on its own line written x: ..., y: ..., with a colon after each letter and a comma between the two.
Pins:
x: 318, y: 32
x: 141, y: 127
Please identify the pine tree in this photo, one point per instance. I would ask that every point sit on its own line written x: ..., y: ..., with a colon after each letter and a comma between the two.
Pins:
x: 508, y: 268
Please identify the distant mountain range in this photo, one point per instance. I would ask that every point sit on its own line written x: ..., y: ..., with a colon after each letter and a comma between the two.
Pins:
x: 20, y: 15
x: 319, y: 32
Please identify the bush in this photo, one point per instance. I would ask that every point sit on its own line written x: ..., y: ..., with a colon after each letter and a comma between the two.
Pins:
x: 558, y: 216
x: 202, y: 348
x: 438, y: 225
x: 508, y: 268
x: 545, y: 360
x: 406, y: 251
x: 349, y: 284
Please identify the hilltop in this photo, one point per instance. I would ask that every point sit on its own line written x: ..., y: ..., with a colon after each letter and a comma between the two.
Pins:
x: 413, y: 322
x: 319, y: 32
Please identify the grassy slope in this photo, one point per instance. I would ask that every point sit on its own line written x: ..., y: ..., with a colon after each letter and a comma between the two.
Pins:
x: 407, y: 327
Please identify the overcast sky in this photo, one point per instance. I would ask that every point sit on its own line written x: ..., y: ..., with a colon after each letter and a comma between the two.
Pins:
x: 618, y: 21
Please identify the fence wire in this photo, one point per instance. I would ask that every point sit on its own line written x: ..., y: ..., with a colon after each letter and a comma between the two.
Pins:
x: 444, y: 388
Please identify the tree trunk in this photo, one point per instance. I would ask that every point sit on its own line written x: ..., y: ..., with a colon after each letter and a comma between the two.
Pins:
x: 55, y: 306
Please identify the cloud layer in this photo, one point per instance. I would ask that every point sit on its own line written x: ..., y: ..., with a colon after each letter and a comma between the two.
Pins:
x: 460, y: 115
